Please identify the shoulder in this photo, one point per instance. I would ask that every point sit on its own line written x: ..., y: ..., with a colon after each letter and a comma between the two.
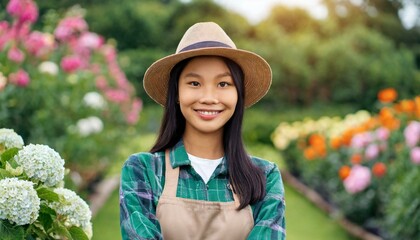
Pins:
x: 144, y: 160
x: 264, y: 165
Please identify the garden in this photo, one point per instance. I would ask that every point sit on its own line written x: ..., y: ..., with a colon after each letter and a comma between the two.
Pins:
x: 342, y: 117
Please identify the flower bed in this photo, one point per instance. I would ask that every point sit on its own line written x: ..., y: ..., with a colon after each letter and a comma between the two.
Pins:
x: 61, y: 85
x: 366, y: 164
x: 33, y: 201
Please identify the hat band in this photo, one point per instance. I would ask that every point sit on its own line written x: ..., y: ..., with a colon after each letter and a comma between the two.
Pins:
x: 204, y: 44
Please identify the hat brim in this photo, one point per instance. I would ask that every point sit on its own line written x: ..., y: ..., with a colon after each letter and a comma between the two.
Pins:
x: 257, y: 72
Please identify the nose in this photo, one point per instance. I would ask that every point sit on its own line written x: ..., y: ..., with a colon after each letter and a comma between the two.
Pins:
x: 209, y: 96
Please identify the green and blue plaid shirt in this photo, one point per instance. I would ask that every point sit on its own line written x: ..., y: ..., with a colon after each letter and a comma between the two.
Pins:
x: 142, y: 181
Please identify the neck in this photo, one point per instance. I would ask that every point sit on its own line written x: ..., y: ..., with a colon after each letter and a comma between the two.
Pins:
x: 204, y: 145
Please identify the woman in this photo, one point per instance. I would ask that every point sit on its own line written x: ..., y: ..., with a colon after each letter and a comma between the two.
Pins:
x: 197, y: 182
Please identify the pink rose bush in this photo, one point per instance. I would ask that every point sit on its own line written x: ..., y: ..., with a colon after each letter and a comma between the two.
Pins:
x: 44, y: 77
x: 369, y: 164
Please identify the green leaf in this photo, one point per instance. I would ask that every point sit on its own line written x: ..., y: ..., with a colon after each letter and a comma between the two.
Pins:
x: 47, y: 194
x: 46, y: 220
x: 5, y: 174
x: 78, y: 233
x: 8, y: 154
x: 9, y: 231
x: 13, y: 163
x: 61, y: 230
x: 36, y: 231
x: 45, y: 209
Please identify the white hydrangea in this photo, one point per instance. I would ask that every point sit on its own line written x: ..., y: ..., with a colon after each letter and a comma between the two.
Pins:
x: 94, y: 100
x: 40, y: 162
x: 74, y: 209
x: 19, y: 202
x: 90, y: 125
x: 48, y: 67
x: 9, y: 139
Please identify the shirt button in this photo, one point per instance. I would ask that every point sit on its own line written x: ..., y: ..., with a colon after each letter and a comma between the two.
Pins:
x: 228, y: 186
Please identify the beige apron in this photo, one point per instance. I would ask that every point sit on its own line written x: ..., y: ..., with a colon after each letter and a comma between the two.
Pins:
x: 187, y: 219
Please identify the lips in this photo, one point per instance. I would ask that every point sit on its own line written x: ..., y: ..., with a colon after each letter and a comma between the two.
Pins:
x: 208, y: 114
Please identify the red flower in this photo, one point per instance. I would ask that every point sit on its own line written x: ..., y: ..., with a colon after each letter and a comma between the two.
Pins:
x: 379, y: 169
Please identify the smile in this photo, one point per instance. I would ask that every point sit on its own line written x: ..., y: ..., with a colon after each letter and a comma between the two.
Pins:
x: 208, y: 113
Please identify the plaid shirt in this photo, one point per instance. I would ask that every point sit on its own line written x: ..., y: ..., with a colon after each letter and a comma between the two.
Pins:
x: 142, y: 181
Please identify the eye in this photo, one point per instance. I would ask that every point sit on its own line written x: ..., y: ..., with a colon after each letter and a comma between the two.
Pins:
x: 194, y: 83
x: 224, y: 84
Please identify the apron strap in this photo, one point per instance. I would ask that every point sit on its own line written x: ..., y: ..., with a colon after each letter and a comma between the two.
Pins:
x: 171, y: 177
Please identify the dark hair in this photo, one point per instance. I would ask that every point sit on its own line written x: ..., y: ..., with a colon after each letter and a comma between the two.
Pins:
x: 248, y: 181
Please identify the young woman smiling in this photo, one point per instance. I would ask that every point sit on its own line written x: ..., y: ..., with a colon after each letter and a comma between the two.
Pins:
x: 197, y: 181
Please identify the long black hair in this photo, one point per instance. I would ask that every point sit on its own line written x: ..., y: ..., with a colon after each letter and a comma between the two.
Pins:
x: 248, y: 181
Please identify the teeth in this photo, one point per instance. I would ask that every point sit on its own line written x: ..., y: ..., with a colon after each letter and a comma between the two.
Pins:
x: 208, y: 112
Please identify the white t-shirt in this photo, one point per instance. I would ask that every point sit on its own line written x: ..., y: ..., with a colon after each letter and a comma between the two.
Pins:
x: 203, y: 166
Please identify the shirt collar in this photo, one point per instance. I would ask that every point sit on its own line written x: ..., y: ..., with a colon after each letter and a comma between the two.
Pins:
x: 179, y: 157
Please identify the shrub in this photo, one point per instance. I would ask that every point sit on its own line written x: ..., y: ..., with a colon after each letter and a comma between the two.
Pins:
x: 64, y: 87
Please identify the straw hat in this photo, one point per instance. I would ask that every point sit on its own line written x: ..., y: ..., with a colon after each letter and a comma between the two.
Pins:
x: 209, y: 39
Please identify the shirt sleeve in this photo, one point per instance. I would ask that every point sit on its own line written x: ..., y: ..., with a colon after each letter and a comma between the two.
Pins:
x: 269, y: 218
x: 137, y: 206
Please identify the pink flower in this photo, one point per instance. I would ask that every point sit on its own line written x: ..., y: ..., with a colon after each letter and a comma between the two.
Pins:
x: 133, y: 116
x: 71, y: 63
x: 5, y: 33
x: 38, y: 44
x: 90, y: 40
x: 382, y: 134
x: 361, y: 140
x: 372, y: 151
x: 24, y: 10
x: 19, y: 78
x: 117, y: 95
x: 412, y: 133
x: 70, y: 26
x: 358, y: 180
x: 101, y: 82
x: 15, y: 55
x: 415, y: 155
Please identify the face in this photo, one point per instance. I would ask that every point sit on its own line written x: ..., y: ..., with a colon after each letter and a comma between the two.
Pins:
x: 207, y: 95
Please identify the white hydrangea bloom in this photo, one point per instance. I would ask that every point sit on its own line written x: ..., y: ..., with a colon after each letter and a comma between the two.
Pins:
x: 19, y: 202
x: 42, y: 163
x: 9, y: 139
x: 90, y: 125
x: 94, y: 100
x: 74, y: 209
x: 48, y: 67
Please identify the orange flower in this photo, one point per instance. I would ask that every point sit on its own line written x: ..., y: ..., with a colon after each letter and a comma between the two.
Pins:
x: 387, y: 119
x: 316, y: 140
x: 417, y: 106
x: 406, y: 106
x: 344, y: 172
x: 379, y: 169
x: 335, y: 143
x: 387, y: 95
x: 310, y: 153
x: 356, y: 159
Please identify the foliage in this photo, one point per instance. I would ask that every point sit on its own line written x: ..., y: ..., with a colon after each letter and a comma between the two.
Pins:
x: 355, y: 161
x: 35, y: 205
x: 63, y: 86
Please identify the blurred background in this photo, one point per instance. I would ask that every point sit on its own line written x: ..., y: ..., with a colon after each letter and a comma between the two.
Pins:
x: 71, y: 77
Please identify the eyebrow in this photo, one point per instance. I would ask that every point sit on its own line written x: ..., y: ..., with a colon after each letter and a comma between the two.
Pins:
x: 195, y: 75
